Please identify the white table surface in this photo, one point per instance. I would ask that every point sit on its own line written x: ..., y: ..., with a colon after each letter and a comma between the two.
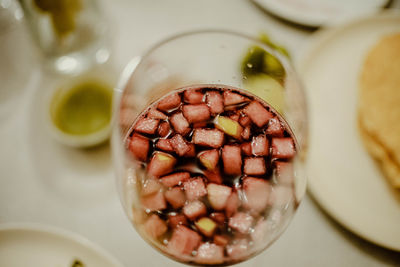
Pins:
x: 91, y: 207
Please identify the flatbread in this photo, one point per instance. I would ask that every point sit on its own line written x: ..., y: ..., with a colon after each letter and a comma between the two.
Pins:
x: 379, y: 105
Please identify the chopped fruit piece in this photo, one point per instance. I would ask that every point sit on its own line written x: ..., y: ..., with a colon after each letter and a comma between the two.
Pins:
x: 174, y: 179
x: 231, y: 98
x: 193, y: 96
x: 150, y: 186
x: 209, y: 253
x: 183, y: 241
x: 232, y: 204
x: 256, y: 194
x: 246, y: 149
x: 139, y: 146
x: 257, y: 113
x: 179, y: 145
x: 246, y: 133
x: 208, y: 137
x: 259, y: 232
x: 154, y: 202
x: 283, y: 148
x: 232, y: 159
x: 161, y: 163
x: 180, y: 124
x: 195, y: 188
x: 254, y: 166
x: 245, y: 121
x: 218, y: 195
x: 169, y: 102
x: 215, y: 102
x: 146, y: 125
x: 155, y: 114
x: 206, y: 226
x: 213, y: 176
x: 155, y: 227
x: 176, y: 219
x: 234, y: 117
x: 191, y: 152
x: 241, y: 222
x: 209, y: 159
x: 200, y: 124
x: 163, y: 129
x: 175, y: 197
x: 196, y: 113
x: 194, y: 209
x: 164, y: 144
x: 281, y: 195
x: 219, y: 217
x: 284, y: 172
x: 228, y: 126
x: 221, y: 240
x: 274, y: 128
x: 260, y: 146
x: 237, y: 249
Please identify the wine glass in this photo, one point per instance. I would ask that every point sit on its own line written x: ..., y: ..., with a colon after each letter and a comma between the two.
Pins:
x: 208, y: 146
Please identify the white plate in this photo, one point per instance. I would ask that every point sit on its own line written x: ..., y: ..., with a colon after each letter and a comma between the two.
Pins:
x: 315, y: 13
x: 343, y: 178
x: 23, y: 245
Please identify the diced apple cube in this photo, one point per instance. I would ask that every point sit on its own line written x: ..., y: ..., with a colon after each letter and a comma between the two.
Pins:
x: 254, y: 166
x: 232, y: 204
x: 260, y: 146
x: 245, y: 121
x: 191, y: 153
x: 241, y: 222
x: 163, y: 129
x: 160, y: 164
x: 274, y: 128
x: 213, y: 176
x: 218, y: 217
x: 208, y: 137
x: 209, y: 253
x: 175, y: 179
x: 165, y: 145
x: 194, y: 188
x: 169, y: 102
x: 206, y: 226
x: 179, y: 123
x: 146, y: 125
x: 156, y: 114
x: 209, y: 159
x: 281, y: 195
x: 176, y: 219
x: 228, y: 126
x: 183, y: 241
x: 231, y: 98
x: 221, y: 240
x: 139, y: 146
x: 196, y: 113
x: 155, y: 227
x: 237, y: 249
x: 234, y: 117
x: 256, y: 194
x: 215, y: 101
x: 179, y: 145
x: 193, y: 96
x: 194, y: 209
x: 154, y: 202
x: 175, y: 197
x: 246, y: 149
x: 246, y: 133
x: 284, y: 172
x: 150, y: 186
x: 259, y: 232
x: 218, y: 195
x: 232, y: 160
x: 257, y: 113
x: 283, y: 148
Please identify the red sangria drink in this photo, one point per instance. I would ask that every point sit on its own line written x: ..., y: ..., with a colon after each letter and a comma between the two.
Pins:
x: 215, y: 172
x: 208, y: 147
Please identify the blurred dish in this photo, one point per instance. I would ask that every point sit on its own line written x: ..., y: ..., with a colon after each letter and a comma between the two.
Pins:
x: 24, y: 245
x: 343, y: 177
x: 315, y: 13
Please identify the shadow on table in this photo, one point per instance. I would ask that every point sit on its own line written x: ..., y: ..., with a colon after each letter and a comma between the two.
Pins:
x: 384, y: 255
